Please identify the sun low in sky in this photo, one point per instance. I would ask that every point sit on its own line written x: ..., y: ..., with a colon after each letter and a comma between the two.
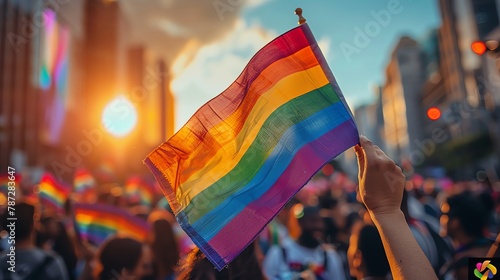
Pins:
x: 119, y: 117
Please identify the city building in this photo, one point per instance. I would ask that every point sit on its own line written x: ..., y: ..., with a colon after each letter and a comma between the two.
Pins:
x: 465, y: 116
x: 401, y: 98
x: 62, y: 65
x: 370, y: 120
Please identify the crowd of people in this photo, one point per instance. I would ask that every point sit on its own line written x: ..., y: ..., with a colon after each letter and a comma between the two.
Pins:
x: 383, y: 229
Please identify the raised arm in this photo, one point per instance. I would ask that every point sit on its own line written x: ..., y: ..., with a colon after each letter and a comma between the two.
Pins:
x: 381, y: 184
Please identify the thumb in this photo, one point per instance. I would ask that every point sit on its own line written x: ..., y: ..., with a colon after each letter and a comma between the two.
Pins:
x: 360, y: 154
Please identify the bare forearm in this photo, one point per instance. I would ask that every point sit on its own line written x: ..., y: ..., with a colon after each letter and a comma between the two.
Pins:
x: 406, y: 259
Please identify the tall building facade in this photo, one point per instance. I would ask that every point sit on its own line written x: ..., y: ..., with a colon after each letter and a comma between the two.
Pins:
x: 39, y: 78
x: 400, y: 98
x: 370, y: 120
x: 61, y: 63
x: 467, y: 84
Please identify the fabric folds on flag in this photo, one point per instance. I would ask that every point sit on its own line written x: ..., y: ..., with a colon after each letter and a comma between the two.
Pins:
x: 97, y: 222
x: 232, y: 167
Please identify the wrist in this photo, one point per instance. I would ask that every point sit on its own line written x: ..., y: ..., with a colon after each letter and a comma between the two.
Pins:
x: 382, y: 215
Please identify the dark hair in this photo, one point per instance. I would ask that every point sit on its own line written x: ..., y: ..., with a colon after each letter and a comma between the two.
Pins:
x: 487, y: 201
x: 164, y: 246
x: 471, y: 213
x: 328, y: 202
x: 119, y: 253
x: 64, y: 247
x: 307, y: 211
x: 25, y: 214
x: 372, y: 250
x: 350, y: 220
x: 244, y: 267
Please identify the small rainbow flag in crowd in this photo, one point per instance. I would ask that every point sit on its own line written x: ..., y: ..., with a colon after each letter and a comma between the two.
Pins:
x: 84, y: 181
x: 245, y: 153
x: 106, y: 171
x: 96, y: 222
x: 53, y: 193
x: 140, y: 191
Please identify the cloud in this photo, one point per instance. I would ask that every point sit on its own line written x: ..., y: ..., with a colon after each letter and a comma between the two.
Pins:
x: 324, y: 44
x: 167, y: 26
x: 214, y: 67
x: 256, y: 3
x: 206, y: 43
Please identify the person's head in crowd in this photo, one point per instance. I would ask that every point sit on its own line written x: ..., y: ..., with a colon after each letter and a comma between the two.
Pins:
x: 351, y: 219
x: 52, y: 236
x: 332, y: 217
x: 121, y: 258
x: 464, y: 218
x: 487, y: 201
x: 24, y: 230
x: 149, y: 272
x: 165, y: 250
x: 64, y: 246
x: 366, y: 253
x: 43, y: 237
x: 244, y: 267
x: 311, y: 225
x: 140, y: 211
x: 328, y: 202
x: 284, y: 215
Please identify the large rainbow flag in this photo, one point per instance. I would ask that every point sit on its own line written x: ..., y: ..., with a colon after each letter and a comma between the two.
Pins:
x: 53, y: 193
x: 232, y: 167
x: 96, y: 222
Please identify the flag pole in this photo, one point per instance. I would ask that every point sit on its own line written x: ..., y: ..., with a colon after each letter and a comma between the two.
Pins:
x: 298, y: 12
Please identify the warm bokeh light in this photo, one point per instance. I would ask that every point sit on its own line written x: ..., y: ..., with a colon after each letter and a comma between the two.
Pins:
x: 327, y: 169
x: 478, y: 47
x: 119, y: 116
x: 3, y: 199
x: 116, y: 191
x: 433, y: 113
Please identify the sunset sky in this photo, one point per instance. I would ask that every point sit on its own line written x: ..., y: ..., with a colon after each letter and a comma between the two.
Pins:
x: 204, y: 67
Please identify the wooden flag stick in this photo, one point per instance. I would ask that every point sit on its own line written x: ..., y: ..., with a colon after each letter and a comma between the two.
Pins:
x: 298, y: 12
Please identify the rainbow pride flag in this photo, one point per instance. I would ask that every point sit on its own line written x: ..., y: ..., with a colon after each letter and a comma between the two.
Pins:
x: 232, y: 167
x: 96, y: 222
x: 83, y: 181
x: 53, y: 193
x: 139, y: 191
